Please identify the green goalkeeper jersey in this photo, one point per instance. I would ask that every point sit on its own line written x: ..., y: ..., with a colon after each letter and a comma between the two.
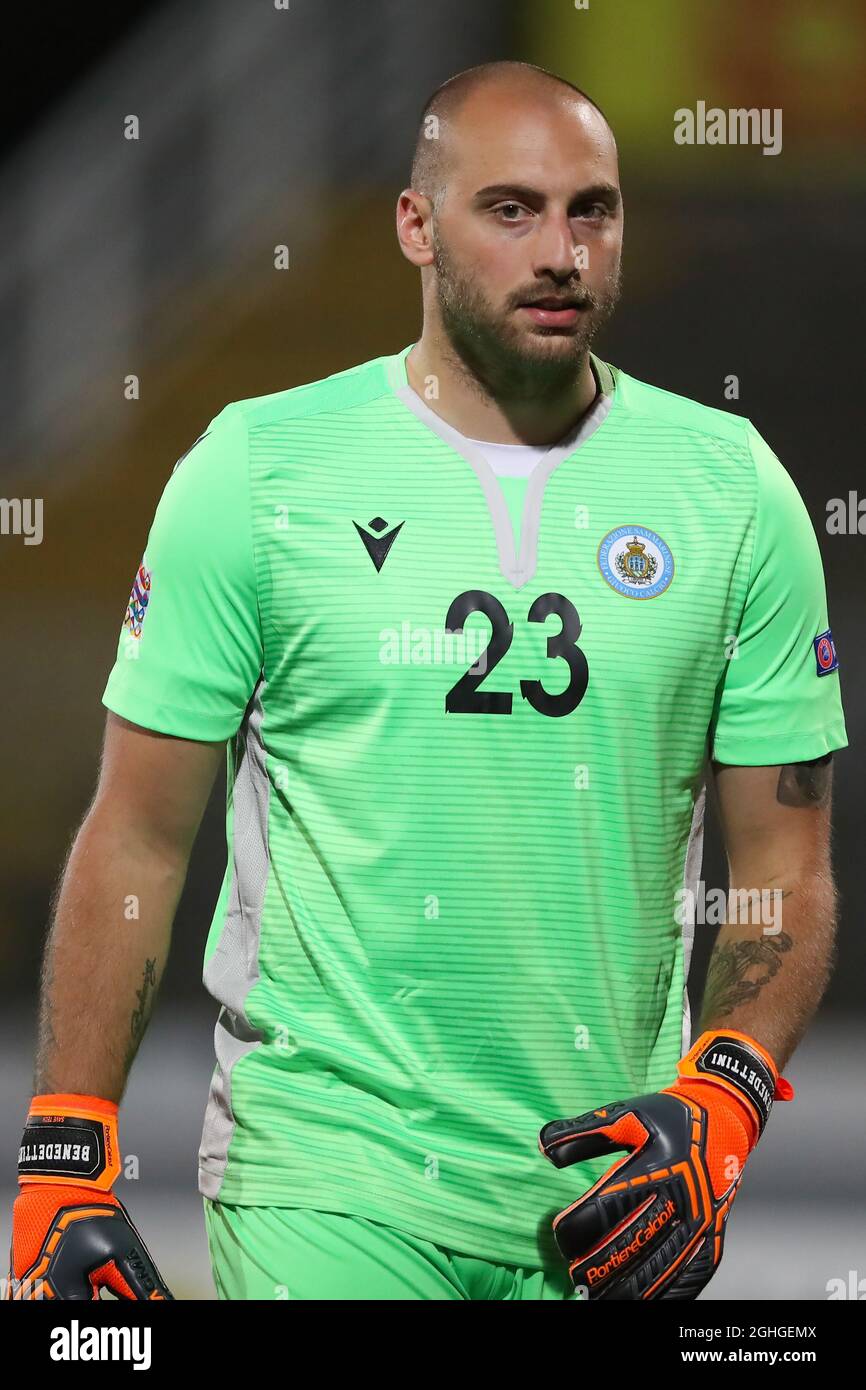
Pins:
x: 468, y: 719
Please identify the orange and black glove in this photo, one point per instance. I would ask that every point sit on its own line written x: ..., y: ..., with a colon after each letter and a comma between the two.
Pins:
x: 653, y: 1225
x: 70, y: 1235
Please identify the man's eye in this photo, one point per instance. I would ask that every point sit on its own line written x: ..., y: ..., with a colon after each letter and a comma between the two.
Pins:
x: 505, y: 208
x: 592, y: 210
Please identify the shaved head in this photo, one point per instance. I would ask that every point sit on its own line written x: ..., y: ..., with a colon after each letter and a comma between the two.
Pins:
x: 435, y: 144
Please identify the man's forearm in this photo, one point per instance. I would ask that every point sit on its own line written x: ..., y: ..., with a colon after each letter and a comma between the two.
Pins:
x: 105, y: 958
x: 766, y: 977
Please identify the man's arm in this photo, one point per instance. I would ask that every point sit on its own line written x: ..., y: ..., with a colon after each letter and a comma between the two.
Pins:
x: 115, y: 906
x: 773, y: 957
x: 687, y: 1144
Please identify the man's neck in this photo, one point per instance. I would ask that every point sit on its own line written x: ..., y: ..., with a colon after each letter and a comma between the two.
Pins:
x: 460, y: 401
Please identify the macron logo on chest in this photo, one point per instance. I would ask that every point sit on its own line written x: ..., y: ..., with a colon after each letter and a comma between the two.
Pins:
x: 377, y: 538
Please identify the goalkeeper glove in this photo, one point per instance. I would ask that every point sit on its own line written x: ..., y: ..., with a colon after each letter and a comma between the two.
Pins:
x: 70, y: 1235
x: 653, y: 1225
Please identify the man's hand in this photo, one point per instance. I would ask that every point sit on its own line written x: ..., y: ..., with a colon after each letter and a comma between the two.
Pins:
x: 71, y: 1236
x: 653, y: 1225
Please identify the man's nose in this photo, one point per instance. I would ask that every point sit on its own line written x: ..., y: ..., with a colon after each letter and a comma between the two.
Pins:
x: 556, y: 250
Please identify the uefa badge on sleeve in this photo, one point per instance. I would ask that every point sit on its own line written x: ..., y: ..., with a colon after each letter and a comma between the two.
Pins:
x: 825, y: 653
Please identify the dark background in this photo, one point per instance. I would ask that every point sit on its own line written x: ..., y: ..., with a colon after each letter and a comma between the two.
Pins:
x: 154, y: 258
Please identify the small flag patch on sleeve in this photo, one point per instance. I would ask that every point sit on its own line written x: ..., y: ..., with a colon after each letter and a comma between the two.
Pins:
x: 138, y: 600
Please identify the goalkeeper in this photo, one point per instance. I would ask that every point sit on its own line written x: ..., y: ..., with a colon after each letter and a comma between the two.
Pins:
x: 448, y: 929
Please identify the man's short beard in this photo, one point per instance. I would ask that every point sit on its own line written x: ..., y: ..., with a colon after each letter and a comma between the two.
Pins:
x: 496, y: 359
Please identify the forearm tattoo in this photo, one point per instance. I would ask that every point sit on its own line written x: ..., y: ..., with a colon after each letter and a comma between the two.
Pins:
x: 739, y: 970
x: 805, y: 784
x: 140, y: 1016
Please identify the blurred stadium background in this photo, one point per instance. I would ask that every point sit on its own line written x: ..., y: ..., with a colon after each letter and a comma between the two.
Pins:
x: 152, y: 258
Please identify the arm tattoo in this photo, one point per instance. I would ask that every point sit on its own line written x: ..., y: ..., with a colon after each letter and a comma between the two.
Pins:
x: 728, y: 982
x: 140, y: 1016
x: 805, y: 784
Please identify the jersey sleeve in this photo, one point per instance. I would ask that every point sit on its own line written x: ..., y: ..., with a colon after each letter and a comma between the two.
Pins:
x: 779, y: 699
x: 189, y: 653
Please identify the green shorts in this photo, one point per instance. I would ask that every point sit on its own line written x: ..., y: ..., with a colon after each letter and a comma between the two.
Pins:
x: 291, y: 1252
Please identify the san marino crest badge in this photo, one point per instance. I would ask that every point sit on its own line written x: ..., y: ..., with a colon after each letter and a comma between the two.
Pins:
x: 636, y: 562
